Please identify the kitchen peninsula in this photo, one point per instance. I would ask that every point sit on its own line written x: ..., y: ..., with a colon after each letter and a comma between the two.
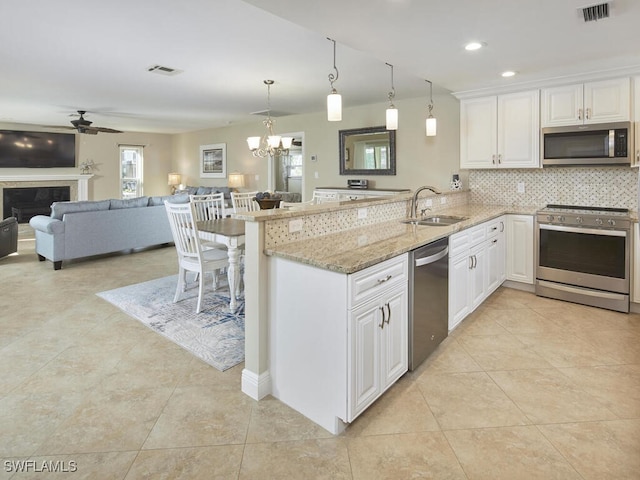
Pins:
x: 304, y: 268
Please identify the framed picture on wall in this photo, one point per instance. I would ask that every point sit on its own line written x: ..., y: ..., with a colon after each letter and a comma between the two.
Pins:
x: 213, y: 160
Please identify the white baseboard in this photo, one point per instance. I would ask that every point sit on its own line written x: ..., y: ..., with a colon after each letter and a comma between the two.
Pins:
x: 256, y: 386
x: 525, y: 287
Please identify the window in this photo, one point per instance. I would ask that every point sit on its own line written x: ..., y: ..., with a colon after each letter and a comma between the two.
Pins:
x: 131, y: 160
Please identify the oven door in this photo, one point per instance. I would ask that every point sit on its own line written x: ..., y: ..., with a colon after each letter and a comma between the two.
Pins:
x: 584, y: 257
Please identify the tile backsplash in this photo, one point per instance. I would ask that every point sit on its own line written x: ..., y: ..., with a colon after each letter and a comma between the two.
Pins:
x: 590, y: 186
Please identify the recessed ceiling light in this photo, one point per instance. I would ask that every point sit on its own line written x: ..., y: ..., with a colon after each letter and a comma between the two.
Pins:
x: 474, y: 46
x: 508, y: 73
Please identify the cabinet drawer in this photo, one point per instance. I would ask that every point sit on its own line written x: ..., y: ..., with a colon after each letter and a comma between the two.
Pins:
x: 494, y: 227
x: 371, y: 281
x: 459, y: 242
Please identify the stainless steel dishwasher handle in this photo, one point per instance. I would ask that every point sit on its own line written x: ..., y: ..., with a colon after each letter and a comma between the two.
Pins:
x: 432, y: 258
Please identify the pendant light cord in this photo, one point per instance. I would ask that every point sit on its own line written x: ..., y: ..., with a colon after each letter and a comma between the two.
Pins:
x: 392, y: 93
x: 332, y: 77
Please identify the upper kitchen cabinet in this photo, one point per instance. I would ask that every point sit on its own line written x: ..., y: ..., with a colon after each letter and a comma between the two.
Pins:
x: 594, y: 102
x: 636, y: 118
x: 500, y: 131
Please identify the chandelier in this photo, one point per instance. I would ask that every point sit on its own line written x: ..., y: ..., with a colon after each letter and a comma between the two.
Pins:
x: 270, y: 143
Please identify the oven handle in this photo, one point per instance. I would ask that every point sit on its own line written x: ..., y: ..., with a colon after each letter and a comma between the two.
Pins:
x: 592, y: 231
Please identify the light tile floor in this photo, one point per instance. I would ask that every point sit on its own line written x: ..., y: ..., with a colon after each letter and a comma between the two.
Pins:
x: 525, y: 388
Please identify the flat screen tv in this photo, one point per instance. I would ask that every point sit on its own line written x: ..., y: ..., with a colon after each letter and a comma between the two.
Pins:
x: 37, y: 149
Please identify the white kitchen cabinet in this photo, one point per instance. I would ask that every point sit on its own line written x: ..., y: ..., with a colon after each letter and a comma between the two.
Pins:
x: 331, y: 354
x: 594, y: 102
x: 476, y: 267
x: 635, y: 274
x: 496, y: 254
x: 378, y: 339
x: 635, y: 161
x: 500, y: 131
x: 520, y: 248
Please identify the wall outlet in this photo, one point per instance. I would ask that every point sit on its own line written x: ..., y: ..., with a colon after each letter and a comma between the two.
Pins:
x: 520, y: 187
x: 316, y: 175
x: 362, y: 240
x: 257, y: 178
x: 429, y: 202
x: 295, y: 225
x: 362, y: 213
x: 443, y: 200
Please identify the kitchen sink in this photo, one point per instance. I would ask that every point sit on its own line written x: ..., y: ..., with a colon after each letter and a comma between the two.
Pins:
x: 435, y: 220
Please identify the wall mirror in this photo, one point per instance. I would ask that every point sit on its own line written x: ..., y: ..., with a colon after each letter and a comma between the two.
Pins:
x: 368, y: 151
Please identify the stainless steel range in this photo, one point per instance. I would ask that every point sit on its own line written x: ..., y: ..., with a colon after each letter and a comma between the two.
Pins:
x: 583, y: 255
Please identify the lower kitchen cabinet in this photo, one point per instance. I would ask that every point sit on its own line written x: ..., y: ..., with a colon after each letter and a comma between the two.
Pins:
x: 476, y: 267
x: 336, y: 341
x: 520, y: 251
x: 635, y: 268
x: 378, y: 339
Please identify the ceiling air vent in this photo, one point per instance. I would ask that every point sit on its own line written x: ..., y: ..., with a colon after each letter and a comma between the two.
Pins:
x: 163, y: 70
x: 594, y: 13
x: 274, y: 113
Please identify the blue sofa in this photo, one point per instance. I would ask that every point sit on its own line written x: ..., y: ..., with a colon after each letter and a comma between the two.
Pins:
x: 82, y: 229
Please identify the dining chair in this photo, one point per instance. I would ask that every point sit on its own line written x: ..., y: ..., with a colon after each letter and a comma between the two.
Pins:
x: 191, y: 256
x: 244, y: 202
x: 323, y: 197
x: 209, y: 207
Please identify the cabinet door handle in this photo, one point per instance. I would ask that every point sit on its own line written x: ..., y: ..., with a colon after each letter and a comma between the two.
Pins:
x: 588, y: 116
x: 386, y: 279
x: 495, y: 241
x: 475, y: 261
x: 493, y: 159
x: 499, y: 158
x: 388, y: 313
x: 471, y: 262
x: 579, y: 114
x: 383, y: 319
x: 493, y: 229
x: 501, y: 227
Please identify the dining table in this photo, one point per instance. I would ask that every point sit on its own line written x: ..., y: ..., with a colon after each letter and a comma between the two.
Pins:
x: 229, y: 232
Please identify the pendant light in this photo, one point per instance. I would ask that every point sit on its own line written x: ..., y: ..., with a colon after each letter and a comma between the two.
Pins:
x: 334, y: 99
x: 392, y: 111
x: 431, y: 121
x: 269, y: 144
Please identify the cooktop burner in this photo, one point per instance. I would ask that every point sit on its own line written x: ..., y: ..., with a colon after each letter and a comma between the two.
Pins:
x: 583, y: 216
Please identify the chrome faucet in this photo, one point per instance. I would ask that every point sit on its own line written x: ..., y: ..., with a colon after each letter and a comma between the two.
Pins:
x: 414, y: 201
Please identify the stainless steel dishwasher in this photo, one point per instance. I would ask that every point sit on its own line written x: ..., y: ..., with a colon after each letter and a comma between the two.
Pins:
x: 428, y: 299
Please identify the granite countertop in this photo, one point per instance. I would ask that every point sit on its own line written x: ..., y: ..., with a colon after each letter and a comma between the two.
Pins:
x: 353, y: 250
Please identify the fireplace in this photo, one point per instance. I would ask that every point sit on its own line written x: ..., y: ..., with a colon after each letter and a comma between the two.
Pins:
x: 26, y: 202
x: 78, y: 185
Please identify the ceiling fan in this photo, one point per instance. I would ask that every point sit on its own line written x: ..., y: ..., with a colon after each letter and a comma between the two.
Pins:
x: 82, y: 125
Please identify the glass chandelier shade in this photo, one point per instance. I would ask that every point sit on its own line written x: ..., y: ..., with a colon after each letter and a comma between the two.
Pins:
x: 334, y: 99
x: 269, y: 144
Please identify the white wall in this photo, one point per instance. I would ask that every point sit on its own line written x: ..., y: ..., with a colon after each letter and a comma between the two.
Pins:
x: 103, y: 150
x: 419, y: 160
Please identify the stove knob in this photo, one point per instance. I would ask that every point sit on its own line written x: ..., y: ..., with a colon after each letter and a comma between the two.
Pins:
x: 611, y: 222
x: 579, y: 219
x: 549, y: 218
x: 561, y: 218
x: 598, y: 221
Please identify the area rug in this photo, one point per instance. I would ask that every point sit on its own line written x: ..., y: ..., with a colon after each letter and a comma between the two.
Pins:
x: 215, y: 335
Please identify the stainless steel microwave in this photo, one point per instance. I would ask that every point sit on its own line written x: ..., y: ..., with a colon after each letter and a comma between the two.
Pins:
x: 595, y: 144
